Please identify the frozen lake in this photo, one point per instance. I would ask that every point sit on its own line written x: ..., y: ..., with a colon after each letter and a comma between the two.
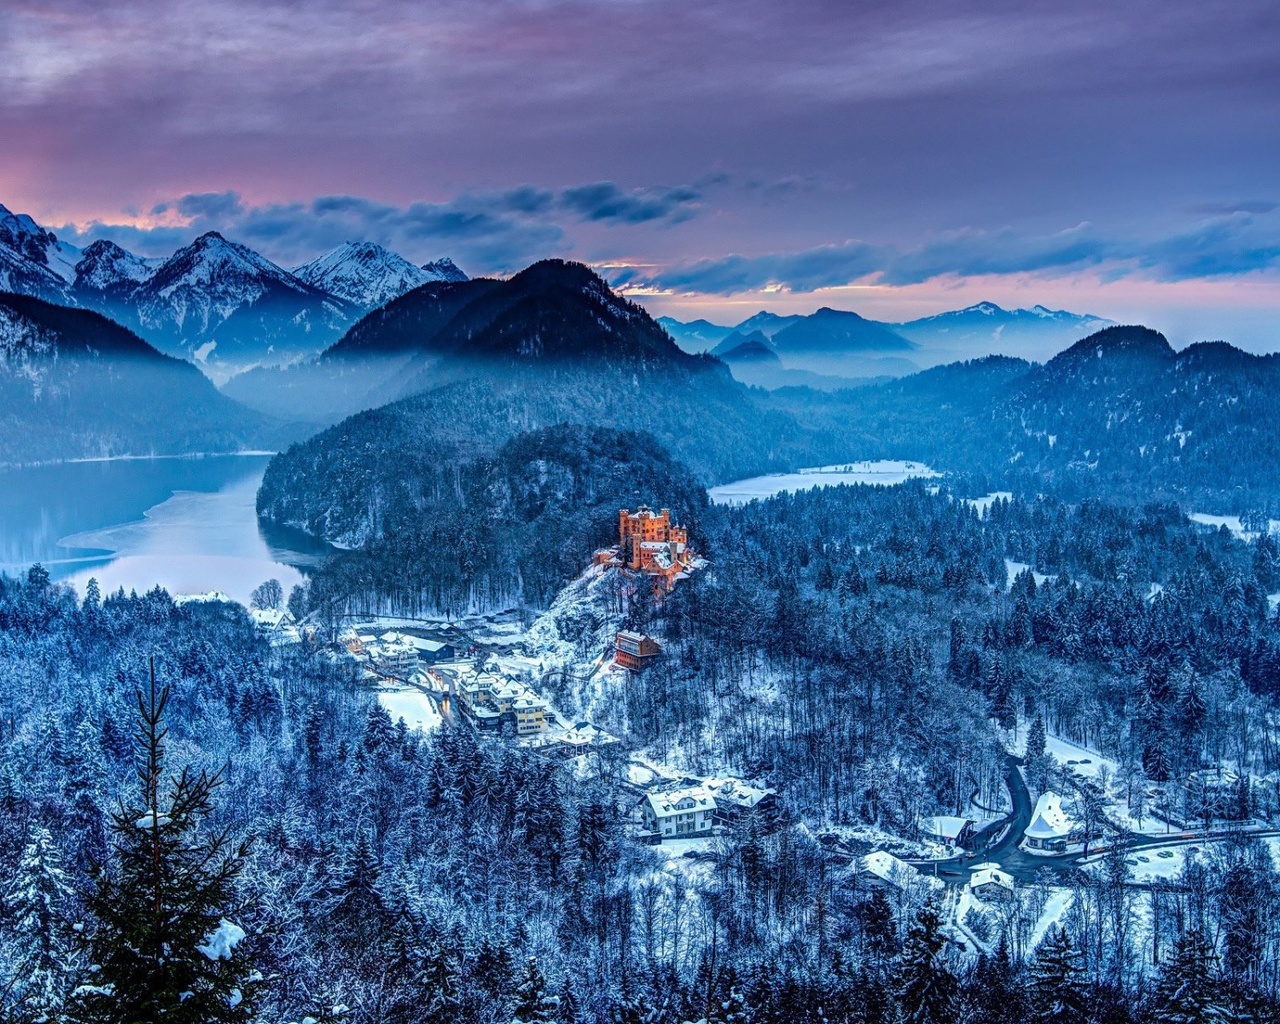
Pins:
x: 884, y: 471
x: 188, y: 524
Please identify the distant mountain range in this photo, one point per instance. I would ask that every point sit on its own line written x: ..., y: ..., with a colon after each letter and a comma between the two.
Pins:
x: 214, y: 302
x: 840, y: 344
x: 74, y: 384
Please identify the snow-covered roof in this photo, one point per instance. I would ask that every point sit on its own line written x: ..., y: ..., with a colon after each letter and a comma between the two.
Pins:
x: 681, y: 801
x: 991, y: 876
x: 899, y: 873
x: 1049, y: 820
x: 737, y: 792
x: 945, y: 826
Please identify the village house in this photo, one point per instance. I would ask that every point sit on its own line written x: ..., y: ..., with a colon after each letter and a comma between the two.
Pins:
x: 949, y: 829
x: 734, y: 798
x: 882, y: 869
x: 680, y: 813
x: 635, y: 651
x: 1050, y: 829
x: 277, y: 626
x: 988, y: 882
x: 393, y: 655
x: 492, y: 700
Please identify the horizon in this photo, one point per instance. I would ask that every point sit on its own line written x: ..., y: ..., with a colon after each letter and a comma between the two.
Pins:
x: 900, y: 161
x: 732, y: 311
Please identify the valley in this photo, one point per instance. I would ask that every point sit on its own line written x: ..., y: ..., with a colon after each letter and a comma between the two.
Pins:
x: 541, y: 636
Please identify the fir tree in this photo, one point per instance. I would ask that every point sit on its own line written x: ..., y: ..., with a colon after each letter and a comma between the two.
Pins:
x: 927, y: 990
x: 1057, y: 996
x: 162, y: 949
x: 533, y: 1002
x: 40, y: 951
x: 1188, y: 989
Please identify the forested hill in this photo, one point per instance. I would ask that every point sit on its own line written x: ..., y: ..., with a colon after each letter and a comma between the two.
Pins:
x: 498, y: 529
x: 552, y: 314
x: 1119, y: 414
x: 74, y: 384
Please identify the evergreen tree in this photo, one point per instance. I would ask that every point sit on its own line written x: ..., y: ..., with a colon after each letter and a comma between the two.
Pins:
x: 39, y: 950
x: 161, y: 949
x: 1188, y: 989
x: 927, y: 990
x: 1057, y: 995
x: 533, y: 1002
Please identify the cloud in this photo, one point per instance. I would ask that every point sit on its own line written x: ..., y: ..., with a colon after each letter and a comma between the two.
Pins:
x: 605, y: 201
x: 1229, y: 245
x: 493, y: 231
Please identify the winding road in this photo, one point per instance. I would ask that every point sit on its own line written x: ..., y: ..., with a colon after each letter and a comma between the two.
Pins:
x: 998, y: 842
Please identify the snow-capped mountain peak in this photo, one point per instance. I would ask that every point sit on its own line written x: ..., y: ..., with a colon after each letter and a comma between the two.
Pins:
x: 211, y: 260
x: 444, y: 269
x: 364, y: 273
x: 105, y: 266
x: 39, y: 245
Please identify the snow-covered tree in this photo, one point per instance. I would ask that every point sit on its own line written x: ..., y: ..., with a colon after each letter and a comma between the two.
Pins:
x: 927, y: 989
x: 39, y: 950
x: 161, y: 948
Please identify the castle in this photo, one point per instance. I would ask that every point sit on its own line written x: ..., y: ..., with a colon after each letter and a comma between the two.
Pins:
x: 650, y: 543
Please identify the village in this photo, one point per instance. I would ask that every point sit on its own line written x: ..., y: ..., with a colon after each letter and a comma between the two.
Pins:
x: 486, y: 675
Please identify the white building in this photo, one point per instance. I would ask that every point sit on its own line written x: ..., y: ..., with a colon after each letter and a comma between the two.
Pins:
x: 1050, y: 827
x: 680, y: 813
x: 733, y: 797
x: 884, y: 869
x: 276, y: 626
x: 948, y: 828
x: 989, y: 882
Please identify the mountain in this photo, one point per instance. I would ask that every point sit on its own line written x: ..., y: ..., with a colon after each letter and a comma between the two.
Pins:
x: 739, y: 347
x: 551, y: 314
x: 74, y: 384
x: 551, y: 345
x: 977, y: 330
x: 369, y: 366
x: 1117, y: 415
x: 32, y: 260
x: 22, y: 235
x: 838, y: 332
x: 766, y: 323
x: 107, y: 274
x: 986, y: 327
x: 444, y: 269
x: 695, y: 335
x: 216, y: 300
x: 367, y: 275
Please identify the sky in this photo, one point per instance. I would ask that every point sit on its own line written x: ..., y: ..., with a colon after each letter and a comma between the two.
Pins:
x: 897, y: 157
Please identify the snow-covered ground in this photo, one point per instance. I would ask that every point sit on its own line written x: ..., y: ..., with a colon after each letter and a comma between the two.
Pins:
x: 1232, y: 523
x: 417, y: 709
x: 1013, y: 569
x: 885, y: 471
x: 987, y: 500
x: 1055, y: 910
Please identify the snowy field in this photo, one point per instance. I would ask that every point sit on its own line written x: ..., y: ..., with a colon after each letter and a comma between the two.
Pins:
x: 886, y: 471
x: 1232, y: 523
x: 417, y: 709
x: 987, y: 500
x: 1013, y: 569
